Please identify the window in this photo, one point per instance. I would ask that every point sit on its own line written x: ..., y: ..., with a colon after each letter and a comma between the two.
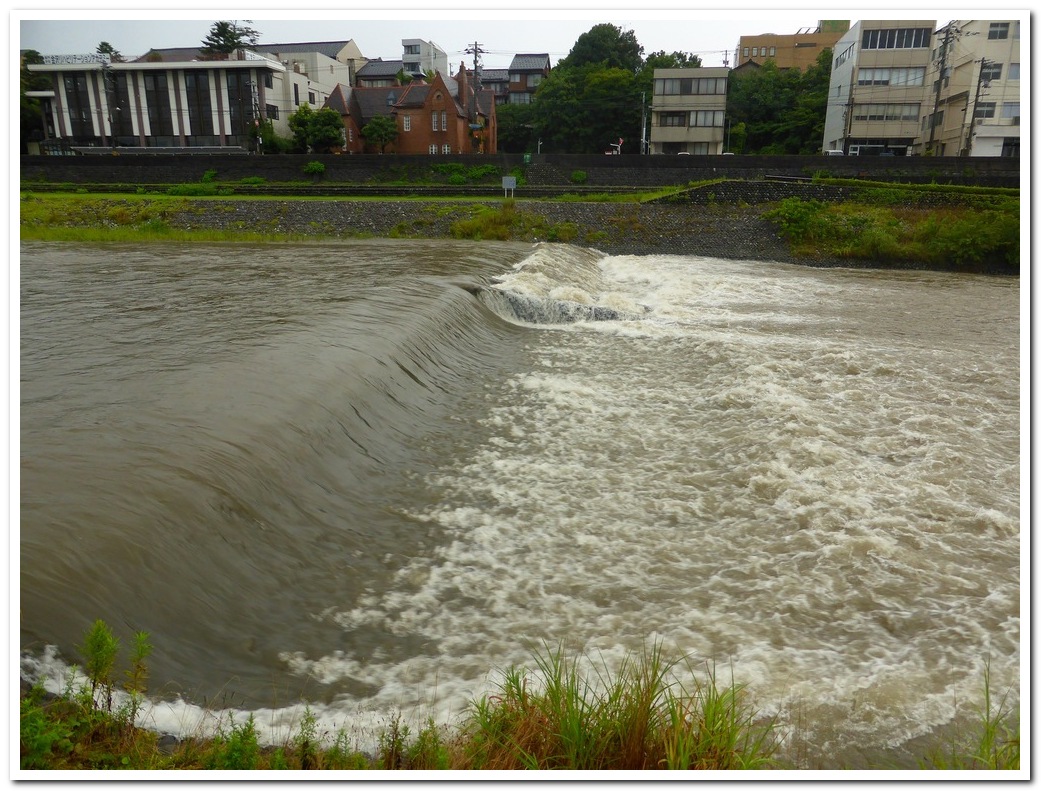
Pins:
x: 1010, y: 110
x: 433, y: 149
x: 296, y: 95
x: 989, y: 72
x: 406, y: 123
x: 240, y: 102
x: 744, y: 52
x: 310, y: 98
x: 700, y: 149
x: 984, y: 110
x: 672, y: 119
x: 773, y: 51
x: 755, y: 52
x: 887, y: 112
x: 998, y: 30
x: 157, y: 98
x: 411, y: 49
x: 446, y: 149
x: 667, y: 87
x: 197, y: 87
x: 846, y: 55
x: 534, y: 80
x: 271, y: 110
x: 1013, y: 71
x: 412, y: 67
x: 897, y: 38
x: 706, y: 117
x: 444, y: 121
x: 269, y: 81
x: 520, y: 98
x: 896, y: 77
x: 78, y: 100
x: 433, y: 122
x: 709, y: 85
x: 122, y: 120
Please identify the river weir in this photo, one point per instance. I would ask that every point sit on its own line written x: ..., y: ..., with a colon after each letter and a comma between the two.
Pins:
x: 365, y: 475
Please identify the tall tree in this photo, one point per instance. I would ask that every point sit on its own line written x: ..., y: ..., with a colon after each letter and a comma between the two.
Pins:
x: 516, y: 128
x: 606, y: 45
x: 316, y: 130
x: 31, y: 121
x: 226, y: 37
x: 108, y: 51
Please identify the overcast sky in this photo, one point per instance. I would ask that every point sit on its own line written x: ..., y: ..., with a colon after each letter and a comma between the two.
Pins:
x: 501, y: 34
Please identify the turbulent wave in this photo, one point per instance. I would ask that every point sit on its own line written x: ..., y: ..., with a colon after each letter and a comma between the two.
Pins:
x: 360, y: 477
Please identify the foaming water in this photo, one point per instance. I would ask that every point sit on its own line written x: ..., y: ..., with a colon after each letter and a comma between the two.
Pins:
x: 809, y: 478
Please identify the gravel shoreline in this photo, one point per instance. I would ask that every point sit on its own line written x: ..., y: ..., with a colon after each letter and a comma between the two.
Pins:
x: 722, y: 231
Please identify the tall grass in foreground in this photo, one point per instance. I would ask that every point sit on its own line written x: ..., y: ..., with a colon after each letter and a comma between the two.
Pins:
x: 568, y: 713
x: 636, y: 719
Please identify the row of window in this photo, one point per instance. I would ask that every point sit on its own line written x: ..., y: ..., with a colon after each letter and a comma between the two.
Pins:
x: 887, y: 112
x: 690, y: 86
x: 897, y: 38
x: 756, y: 52
x: 914, y: 76
x: 989, y: 109
x: 693, y: 118
x: 990, y: 71
x: 445, y: 149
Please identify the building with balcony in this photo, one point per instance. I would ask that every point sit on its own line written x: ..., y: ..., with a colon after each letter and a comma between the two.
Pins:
x: 973, y: 94
x: 688, y: 111
x: 791, y: 51
x: 423, y: 57
x: 877, y: 93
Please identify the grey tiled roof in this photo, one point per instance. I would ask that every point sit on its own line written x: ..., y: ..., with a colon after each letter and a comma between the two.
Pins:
x: 381, y: 68
x: 495, y: 75
x: 338, y: 99
x: 171, y: 55
x: 529, y: 62
x: 328, y: 48
x: 367, y: 103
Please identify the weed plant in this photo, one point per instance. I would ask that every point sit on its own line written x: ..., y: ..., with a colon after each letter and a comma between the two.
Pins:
x: 570, y: 712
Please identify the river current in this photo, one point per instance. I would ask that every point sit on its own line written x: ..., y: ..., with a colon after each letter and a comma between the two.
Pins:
x: 368, y: 475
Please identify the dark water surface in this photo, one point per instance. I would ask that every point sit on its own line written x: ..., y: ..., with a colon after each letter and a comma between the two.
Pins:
x: 348, y: 473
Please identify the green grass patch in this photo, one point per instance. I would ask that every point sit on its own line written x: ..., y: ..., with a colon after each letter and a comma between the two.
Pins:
x: 958, y: 236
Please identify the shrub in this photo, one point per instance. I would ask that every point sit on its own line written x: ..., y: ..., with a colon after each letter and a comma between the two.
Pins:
x: 100, y: 647
x: 253, y: 180
x: 209, y: 176
x: 578, y: 177
x: 315, y: 169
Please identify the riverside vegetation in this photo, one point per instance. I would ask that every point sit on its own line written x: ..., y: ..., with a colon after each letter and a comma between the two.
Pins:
x: 926, y: 226
x: 640, y: 717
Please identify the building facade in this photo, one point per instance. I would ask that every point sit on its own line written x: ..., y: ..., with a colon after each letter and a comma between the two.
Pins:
x: 688, y: 111
x: 795, y: 51
x: 877, y: 91
x: 422, y: 57
x: 974, y: 91
x: 157, y: 101
x: 526, y: 75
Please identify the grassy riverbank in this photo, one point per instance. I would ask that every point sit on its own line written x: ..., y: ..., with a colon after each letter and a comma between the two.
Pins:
x: 652, y: 713
x: 865, y: 233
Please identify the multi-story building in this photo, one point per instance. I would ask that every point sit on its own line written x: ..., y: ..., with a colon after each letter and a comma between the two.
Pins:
x: 526, y: 74
x: 689, y: 111
x: 346, y: 53
x: 973, y: 94
x: 498, y: 82
x: 422, y: 57
x: 166, y: 98
x: 878, y: 84
x: 379, y: 73
x: 791, y: 51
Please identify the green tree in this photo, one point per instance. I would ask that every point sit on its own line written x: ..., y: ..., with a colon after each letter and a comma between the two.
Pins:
x: 316, y: 130
x: 31, y: 121
x: 107, y: 50
x: 581, y: 110
x: 606, y: 45
x: 381, y: 131
x: 516, y: 133
x: 226, y: 37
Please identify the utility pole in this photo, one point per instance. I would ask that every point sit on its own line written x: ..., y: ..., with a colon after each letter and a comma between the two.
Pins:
x: 980, y: 85
x: 944, y: 50
x: 476, y: 51
x: 643, y: 123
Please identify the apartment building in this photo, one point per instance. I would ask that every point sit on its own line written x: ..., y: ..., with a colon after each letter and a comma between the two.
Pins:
x: 526, y: 74
x: 423, y: 57
x: 166, y: 98
x: 791, y: 51
x: 345, y: 53
x: 877, y: 92
x: 974, y: 91
x: 688, y: 111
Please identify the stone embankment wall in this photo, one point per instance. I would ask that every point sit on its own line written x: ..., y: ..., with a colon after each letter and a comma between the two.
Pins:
x: 542, y: 170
